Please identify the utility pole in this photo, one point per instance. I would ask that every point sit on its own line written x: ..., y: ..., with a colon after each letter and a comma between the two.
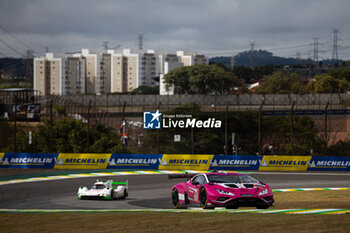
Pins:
x: 232, y: 63
x: 251, y: 54
x: 315, y: 44
x: 158, y: 132
x: 140, y: 41
x: 259, y: 123
x: 226, y: 137
x: 335, y: 44
x: 298, y: 57
x: 51, y: 126
x: 29, y: 66
x: 325, y: 129
x: 292, y: 126
x: 15, y: 130
x: 192, y: 132
x: 123, y: 125
x: 88, y: 128
x: 105, y: 45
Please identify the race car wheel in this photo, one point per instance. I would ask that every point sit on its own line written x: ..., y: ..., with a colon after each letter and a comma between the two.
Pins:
x: 186, y: 199
x: 204, y: 199
x: 112, y: 195
x: 124, y: 195
x: 175, y: 198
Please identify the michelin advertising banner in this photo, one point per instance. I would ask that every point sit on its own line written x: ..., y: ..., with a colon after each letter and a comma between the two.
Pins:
x: 329, y: 163
x: 82, y: 161
x: 27, y: 160
x: 174, y: 162
x: 235, y: 162
x: 185, y: 162
x: 284, y: 163
x: 134, y: 161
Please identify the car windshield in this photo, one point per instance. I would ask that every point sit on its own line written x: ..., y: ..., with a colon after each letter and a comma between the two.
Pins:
x: 98, y: 186
x: 228, y: 178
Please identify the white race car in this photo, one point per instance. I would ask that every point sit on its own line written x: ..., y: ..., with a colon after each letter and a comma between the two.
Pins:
x: 104, y: 190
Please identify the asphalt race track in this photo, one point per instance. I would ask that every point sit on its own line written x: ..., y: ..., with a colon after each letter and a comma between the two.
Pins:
x: 145, y: 191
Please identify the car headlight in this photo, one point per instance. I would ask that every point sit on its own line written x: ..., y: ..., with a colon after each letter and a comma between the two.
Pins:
x: 263, y: 192
x: 224, y: 192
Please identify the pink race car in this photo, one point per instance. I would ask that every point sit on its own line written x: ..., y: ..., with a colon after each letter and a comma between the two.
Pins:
x: 221, y: 189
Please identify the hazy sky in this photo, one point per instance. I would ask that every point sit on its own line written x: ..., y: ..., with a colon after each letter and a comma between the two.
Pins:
x: 212, y: 27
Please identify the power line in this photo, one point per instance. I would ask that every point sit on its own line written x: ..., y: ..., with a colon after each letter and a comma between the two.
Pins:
x: 11, y: 47
x: 2, y: 54
x: 18, y: 40
x: 287, y: 47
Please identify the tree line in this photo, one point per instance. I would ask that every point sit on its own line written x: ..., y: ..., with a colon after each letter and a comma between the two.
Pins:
x: 217, y: 79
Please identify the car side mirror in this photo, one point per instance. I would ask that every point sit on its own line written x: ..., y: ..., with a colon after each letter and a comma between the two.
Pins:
x: 195, y: 182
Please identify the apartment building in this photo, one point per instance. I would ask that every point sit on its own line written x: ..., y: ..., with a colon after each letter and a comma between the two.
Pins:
x: 190, y: 59
x: 131, y: 69
x: 57, y: 74
x: 106, y: 71
x: 48, y: 73
x: 74, y: 77
x: 172, y: 61
x: 125, y: 75
x: 167, y: 62
x: 104, y: 83
x: 91, y: 70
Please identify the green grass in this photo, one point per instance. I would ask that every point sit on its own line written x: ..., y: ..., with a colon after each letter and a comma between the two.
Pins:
x: 171, y: 222
x: 194, y: 222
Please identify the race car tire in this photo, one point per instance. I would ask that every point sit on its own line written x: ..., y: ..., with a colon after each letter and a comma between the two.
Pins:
x: 186, y: 199
x: 204, y: 199
x: 112, y: 195
x: 124, y: 195
x: 175, y: 198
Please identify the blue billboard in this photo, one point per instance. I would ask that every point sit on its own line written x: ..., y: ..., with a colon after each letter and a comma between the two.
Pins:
x: 235, y: 162
x: 134, y: 161
x: 329, y: 163
x: 27, y: 160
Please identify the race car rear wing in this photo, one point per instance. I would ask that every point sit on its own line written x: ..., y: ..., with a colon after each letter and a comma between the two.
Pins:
x: 118, y: 183
x: 183, y: 176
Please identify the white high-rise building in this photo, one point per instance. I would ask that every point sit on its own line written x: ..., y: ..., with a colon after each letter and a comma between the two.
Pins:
x: 107, y: 71
x: 172, y: 61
